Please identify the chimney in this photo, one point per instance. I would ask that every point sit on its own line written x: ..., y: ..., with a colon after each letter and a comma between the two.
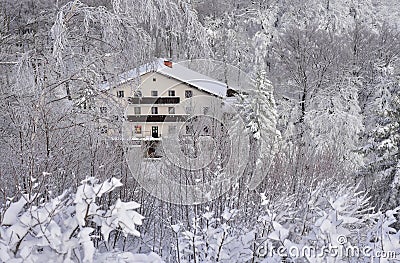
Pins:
x: 168, y: 63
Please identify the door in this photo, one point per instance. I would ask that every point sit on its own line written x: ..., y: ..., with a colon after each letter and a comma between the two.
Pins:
x: 154, y: 131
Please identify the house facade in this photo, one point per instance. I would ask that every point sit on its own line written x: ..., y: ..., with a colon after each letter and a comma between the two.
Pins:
x: 168, y: 101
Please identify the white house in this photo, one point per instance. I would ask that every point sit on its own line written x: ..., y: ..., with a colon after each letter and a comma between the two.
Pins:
x: 167, y: 96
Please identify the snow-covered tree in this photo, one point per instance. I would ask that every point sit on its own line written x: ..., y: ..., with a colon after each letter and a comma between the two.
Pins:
x: 263, y: 119
x: 382, y: 138
x: 335, y: 123
x: 69, y: 228
x: 258, y: 108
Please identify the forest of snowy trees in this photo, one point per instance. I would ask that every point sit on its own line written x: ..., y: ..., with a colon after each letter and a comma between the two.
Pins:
x: 322, y: 117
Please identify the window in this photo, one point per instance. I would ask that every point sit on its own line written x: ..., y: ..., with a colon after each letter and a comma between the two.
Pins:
x: 188, y: 109
x: 154, y: 110
x: 206, y: 110
x: 188, y: 93
x: 138, y: 129
x: 137, y: 110
x: 103, y: 110
x: 120, y: 94
x: 171, y: 129
x: 137, y: 94
x: 154, y: 93
x: 171, y: 110
x: 171, y: 93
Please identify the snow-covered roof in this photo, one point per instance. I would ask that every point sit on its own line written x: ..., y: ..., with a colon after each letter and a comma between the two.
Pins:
x: 178, y: 72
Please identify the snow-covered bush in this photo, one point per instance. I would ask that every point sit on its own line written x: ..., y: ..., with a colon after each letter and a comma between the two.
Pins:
x: 329, y: 223
x: 332, y: 225
x: 66, y: 228
x: 213, y: 239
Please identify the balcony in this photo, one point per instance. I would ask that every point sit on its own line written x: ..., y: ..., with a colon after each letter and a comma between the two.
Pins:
x: 157, y: 118
x: 154, y: 100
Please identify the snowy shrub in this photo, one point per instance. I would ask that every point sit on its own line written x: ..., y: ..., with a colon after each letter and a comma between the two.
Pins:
x: 66, y: 228
x: 330, y: 226
x: 211, y: 239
